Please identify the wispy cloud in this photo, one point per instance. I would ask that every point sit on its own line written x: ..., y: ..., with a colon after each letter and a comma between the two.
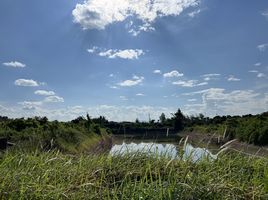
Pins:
x: 189, y: 83
x: 257, y: 64
x: 208, y: 77
x: 233, y: 78
x: 140, y: 94
x: 157, y: 71
x: 253, y: 71
x: 54, y: 99
x: 136, y: 80
x: 262, y: 47
x: 261, y: 75
x: 194, y: 13
x: 44, y: 93
x: 97, y: 14
x: 15, y: 64
x: 26, y: 83
x: 265, y: 13
x: 172, y: 74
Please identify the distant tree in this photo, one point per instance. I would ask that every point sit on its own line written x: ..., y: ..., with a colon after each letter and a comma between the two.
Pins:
x: 162, y: 118
x: 78, y: 120
x: 137, y: 121
x: 178, y: 120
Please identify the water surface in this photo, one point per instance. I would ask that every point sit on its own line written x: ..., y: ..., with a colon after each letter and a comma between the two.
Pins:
x: 170, y: 150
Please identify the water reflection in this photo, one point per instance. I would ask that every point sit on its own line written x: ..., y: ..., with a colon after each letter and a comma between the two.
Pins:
x: 167, y: 150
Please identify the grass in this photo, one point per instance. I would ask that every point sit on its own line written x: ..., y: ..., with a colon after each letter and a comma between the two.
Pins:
x: 54, y: 175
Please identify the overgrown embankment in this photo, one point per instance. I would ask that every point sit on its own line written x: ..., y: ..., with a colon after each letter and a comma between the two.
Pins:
x: 78, y: 136
x: 252, y: 129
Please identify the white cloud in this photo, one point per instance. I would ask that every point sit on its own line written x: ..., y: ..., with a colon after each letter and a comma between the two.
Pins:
x: 173, y: 73
x: 262, y: 47
x: 233, y: 78
x: 194, y: 13
x: 124, y: 54
x: 261, y: 75
x: 26, y: 82
x: 208, y: 77
x: 257, y: 64
x: 54, y: 99
x: 111, y: 112
x: 136, y: 80
x: 157, y: 71
x: 30, y: 105
x: 219, y: 101
x: 265, y: 14
x: 44, y: 93
x: 140, y: 94
x: 15, y: 64
x: 253, y: 71
x: 124, y: 98
x: 189, y: 83
x: 97, y: 14
x: 192, y: 100
x: 92, y: 50
x: 113, y: 87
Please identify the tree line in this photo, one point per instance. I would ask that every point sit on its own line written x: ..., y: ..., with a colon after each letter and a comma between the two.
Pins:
x: 248, y: 128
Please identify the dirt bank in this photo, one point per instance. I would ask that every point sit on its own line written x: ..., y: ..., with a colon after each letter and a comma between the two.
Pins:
x: 218, y: 141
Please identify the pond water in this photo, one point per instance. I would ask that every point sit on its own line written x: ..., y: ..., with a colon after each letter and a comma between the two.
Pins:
x: 170, y: 150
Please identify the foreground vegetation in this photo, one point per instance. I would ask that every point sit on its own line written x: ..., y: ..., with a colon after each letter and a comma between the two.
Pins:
x: 53, y: 175
x: 65, y: 160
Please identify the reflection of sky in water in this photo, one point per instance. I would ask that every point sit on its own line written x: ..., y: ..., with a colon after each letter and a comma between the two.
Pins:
x: 167, y: 150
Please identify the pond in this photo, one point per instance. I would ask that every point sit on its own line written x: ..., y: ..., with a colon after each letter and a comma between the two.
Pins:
x: 170, y: 149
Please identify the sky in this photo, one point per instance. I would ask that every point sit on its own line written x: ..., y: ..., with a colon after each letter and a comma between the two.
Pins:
x: 128, y: 59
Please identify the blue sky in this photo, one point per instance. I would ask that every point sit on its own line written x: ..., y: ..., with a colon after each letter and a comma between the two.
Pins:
x: 126, y: 59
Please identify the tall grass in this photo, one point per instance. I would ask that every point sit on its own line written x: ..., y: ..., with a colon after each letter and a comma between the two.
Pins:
x: 53, y: 175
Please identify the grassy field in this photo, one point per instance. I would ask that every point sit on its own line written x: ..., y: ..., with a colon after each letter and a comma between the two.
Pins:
x: 53, y: 175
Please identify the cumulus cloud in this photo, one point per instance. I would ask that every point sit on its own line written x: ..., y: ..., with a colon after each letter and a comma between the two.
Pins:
x: 130, y: 54
x: 30, y: 105
x: 54, y: 99
x: 262, y: 47
x: 26, y: 83
x: 157, y: 71
x: 111, y: 112
x: 172, y: 74
x: 219, y: 101
x: 233, y: 78
x: 15, y: 64
x: 44, y: 93
x: 124, y: 54
x: 136, y: 80
x: 97, y: 14
x: 189, y: 83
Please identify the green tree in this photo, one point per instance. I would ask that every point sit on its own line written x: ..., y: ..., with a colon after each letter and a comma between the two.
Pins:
x: 178, y: 120
x: 162, y: 118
